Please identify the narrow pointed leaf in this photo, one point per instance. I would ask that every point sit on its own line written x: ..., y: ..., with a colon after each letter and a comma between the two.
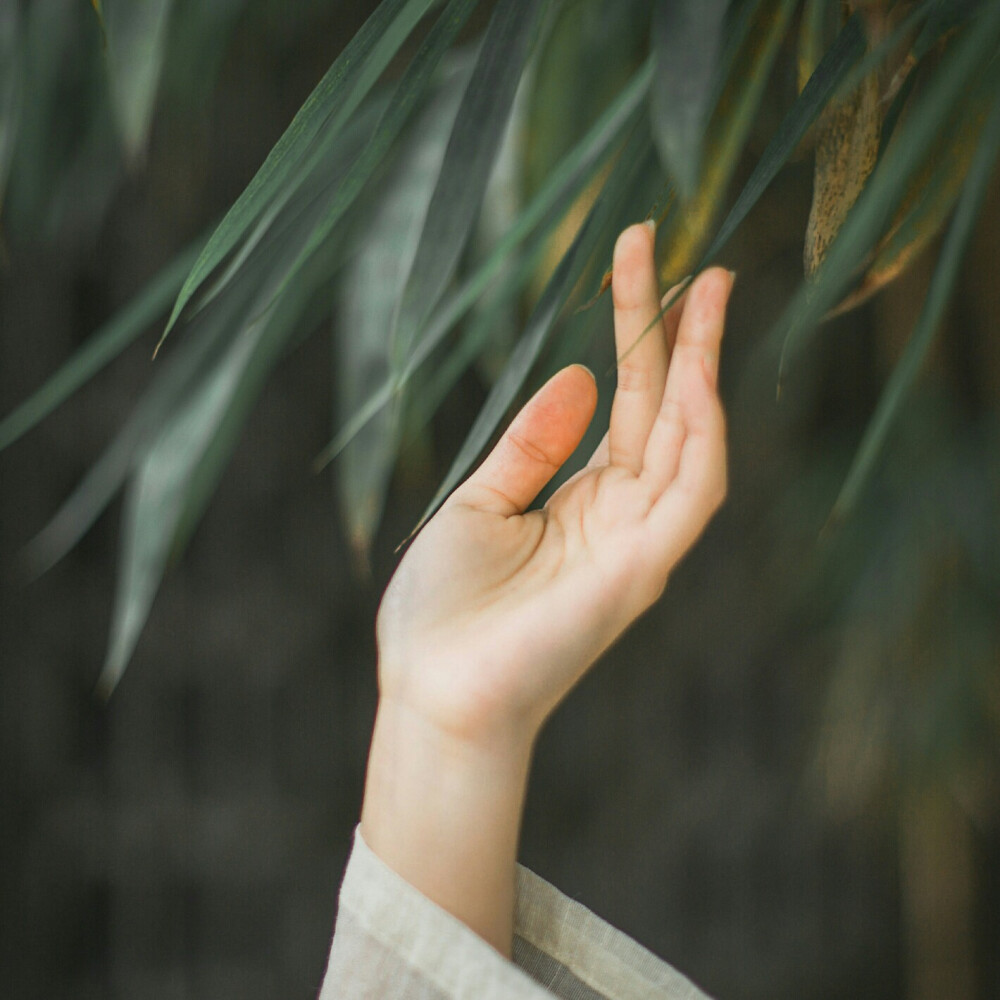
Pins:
x: 949, y: 263
x: 475, y: 338
x: 887, y: 185
x: 364, y: 321
x: 549, y: 203
x: 327, y: 108
x: 136, y: 32
x: 468, y: 163
x: 107, y: 475
x: 208, y: 336
x: 687, y: 42
x: 811, y: 31
x: 408, y: 92
x: 726, y: 135
x: 846, y: 50
x: 180, y: 464
x: 633, y: 160
x: 104, y: 345
x: 155, y: 502
x: 323, y: 172
x: 251, y: 295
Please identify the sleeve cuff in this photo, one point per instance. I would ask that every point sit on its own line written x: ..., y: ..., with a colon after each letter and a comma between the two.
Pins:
x: 401, y: 944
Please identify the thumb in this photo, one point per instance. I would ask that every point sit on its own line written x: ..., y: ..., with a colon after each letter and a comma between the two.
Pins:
x: 540, y: 438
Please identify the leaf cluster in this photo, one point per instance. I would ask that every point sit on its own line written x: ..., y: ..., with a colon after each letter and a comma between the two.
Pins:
x: 408, y: 216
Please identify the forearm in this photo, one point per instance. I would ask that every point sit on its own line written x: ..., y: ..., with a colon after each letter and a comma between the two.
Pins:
x: 445, y: 813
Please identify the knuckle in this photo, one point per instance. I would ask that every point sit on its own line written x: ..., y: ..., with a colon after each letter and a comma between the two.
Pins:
x: 634, y: 378
x: 670, y: 413
x: 529, y: 449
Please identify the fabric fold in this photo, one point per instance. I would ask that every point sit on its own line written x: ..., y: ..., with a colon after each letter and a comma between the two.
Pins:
x: 391, y: 942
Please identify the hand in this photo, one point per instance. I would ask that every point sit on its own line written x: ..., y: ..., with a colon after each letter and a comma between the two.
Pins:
x: 494, y: 613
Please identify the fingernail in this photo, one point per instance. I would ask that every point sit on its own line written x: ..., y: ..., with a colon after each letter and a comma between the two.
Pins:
x: 650, y: 224
x: 732, y: 279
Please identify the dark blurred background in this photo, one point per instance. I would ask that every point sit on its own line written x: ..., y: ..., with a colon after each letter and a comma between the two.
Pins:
x: 783, y: 779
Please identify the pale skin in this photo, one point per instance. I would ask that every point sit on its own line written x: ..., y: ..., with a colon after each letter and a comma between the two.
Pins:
x: 496, y: 611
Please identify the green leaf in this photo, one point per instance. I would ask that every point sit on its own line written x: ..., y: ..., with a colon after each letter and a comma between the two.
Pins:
x: 634, y: 160
x: 208, y: 336
x: 156, y: 498
x: 405, y: 97
x: 905, y: 373
x: 136, y: 32
x: 251, y: 294
x: 479, y: 335
x: 812, y: 28
x: 887, y: 185
x: 753, y: 54
x: 180, y: 464
x: 468, y: 162
x: 323, y: 176
x: 364, y: 321
x: 546, y: 208
x: 846, y: 50
x: 326, y: 110
x: 100, y: 348
x: 11, y: 88
x: 687, y: 41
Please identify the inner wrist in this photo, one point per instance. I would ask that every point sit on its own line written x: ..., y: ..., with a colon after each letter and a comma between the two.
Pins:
x: 417, y: 741
x: 445, y: 814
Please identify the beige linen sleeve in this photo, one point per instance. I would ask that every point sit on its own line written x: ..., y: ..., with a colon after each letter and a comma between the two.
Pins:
x: 391, y: 943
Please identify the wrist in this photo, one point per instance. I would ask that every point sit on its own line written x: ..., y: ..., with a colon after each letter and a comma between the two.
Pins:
x: 444, y: 812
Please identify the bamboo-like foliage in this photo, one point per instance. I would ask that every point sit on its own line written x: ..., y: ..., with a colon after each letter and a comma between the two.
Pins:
x: 381, y: 180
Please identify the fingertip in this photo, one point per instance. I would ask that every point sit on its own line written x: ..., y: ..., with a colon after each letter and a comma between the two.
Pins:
x: 583, y: 385
x: 716, y: 283
x: 633, y: 245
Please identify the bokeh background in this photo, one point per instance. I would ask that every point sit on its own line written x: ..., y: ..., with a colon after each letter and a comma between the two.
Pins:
x: 783, y: 779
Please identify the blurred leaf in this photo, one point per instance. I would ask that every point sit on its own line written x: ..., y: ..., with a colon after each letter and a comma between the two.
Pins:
x: 597, y: 41
x: 468, y: 163
x: 208, y: 335
x: 407, y: 93
x: 886, y: 186
x: 326, y: 173
x: 364, y: 321
x: 938, y: 295
x: 687, y: 40
x: 726, y: 134
x: 136, y: 32
x: 944, y: 17
x: 634, y: 159
x: 811, y: 34
x: 477, y: 337
x: 200, y: 34
x: 545, y: 209
x: 181, y: 461
x: 251, y: 294
x: 11, y: 88
x: 929, y: 199
x: 327, y: 109
x: 155, y: 500
x: 103, y: 345
x: 848, y: 144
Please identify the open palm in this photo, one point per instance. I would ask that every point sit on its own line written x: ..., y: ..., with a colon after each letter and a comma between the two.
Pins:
x: 495, y: 613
